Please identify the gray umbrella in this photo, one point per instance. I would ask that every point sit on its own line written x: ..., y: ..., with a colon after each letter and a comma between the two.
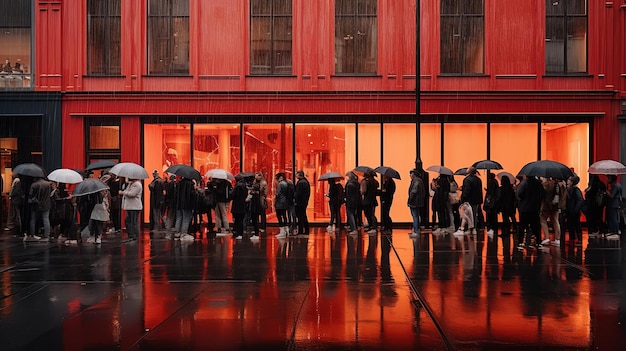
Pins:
x: 129, y: 170
x: 89, y: 186
x: 29, y: 169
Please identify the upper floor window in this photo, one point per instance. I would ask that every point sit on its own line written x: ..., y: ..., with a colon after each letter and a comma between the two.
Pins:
x: 270, y: 37
x: 356, y: 36
x: 104, y: 23
x: 168, y: 37
x: 15, y: 44
x: 566, y: 36
x: 462, y: 48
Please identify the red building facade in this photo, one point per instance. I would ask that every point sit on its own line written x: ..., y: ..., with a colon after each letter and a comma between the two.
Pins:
x: 328, y: 85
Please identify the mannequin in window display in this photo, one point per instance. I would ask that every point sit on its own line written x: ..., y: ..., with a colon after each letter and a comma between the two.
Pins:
x: 170, y: 158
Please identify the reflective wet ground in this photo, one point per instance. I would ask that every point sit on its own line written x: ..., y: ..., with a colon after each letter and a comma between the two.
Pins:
x: 337, y: 292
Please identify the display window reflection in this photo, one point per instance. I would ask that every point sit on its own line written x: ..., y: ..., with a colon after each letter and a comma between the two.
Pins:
x: 15, y: 44
x: 165, y: 145
x: 320, y: 149
x: 217, y: 146
x: 267, y: 148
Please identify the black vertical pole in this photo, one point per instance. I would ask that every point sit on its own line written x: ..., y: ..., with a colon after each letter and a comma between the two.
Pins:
x: 418, y: 73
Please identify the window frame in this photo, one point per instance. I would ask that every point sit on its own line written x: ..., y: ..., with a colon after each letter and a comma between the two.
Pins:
x: 170, y: 40
x: 108, y: 17
x: 273, y: 69
x: 463, y: 18
x: 565, y: 18
x: 356, y: 18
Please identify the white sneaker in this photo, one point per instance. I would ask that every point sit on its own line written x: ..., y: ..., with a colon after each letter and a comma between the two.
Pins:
x: 594, y: 234
x: 545, y: 242
x: 254, y: 238
x: 371, y: 231
x: 168, y: 236
x: 71, y: 242
x: 490, y: 232
x: 238, y: 237
x: 612, y: 236
x: 91, y: 240
x: 98, y: 240
x: 36, y: 237
x: 556, y: 242
x: 281, y: 235
x: 413, y: 235
x: 329, y: 228
x: 187, y: 237
x: 354, y: 232
x: 459, y: 232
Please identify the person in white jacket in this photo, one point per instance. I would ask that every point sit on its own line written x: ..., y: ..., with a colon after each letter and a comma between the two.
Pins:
x: 131, y: 203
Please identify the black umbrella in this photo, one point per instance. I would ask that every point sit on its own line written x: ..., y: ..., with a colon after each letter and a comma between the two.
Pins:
x: 102, y: 164
x: 29, y: 169
x: 184, y: 171
x: 363, y: 170
x: 547, y: 169
x: 89, y: 186
x: 330, y: 175
x: 245, y: 174
x: 387, y: 172
x: 461, y: 171
x: 487, y: 164
x: 440, y: 169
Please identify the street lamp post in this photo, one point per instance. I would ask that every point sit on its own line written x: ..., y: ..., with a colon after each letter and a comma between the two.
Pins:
x: 418, y: 73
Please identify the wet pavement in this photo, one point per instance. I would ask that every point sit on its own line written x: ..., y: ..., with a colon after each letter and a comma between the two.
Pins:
x: 338, y: 292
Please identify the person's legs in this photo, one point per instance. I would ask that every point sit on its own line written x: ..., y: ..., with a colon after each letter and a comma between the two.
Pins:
x: 33, y: 221
x: 611, y: 220
x: 543, y: 220
x: 554, y: 219
x: 351, y: 214
x: 415, y: 213
x: 45, y: 215
x: 186, y: 221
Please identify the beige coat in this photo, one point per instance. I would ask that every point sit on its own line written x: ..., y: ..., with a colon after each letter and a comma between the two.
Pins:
x: 131, y: 199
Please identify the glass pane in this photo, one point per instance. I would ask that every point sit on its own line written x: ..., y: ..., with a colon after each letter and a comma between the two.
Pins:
x: 260, y: 45
x: 97, y: 7
x: 577, y: 44
x: 567, y: 143
x: 16, y: 57
x: 555, y: 44
x: 180, y: 54
x: 369, y: 145
x: 450, y: 53
x: 503, y: 135
x: 455, y: 155
x: 96, y: 45
x: 321, y: 149
x: 160, y: 58
x: 282, y: 7
x: 399, y: 137
x: 19, y: 14
x: 343, y: 7
x: 430, y: 143
x: 576, y: 7
x: 365, y: 44
x: 344, y: 45
x: 216, y: 146
x: 159, y: 7
x: 367, y: 7
x: 472, y: 7
x: 554, y: 7
x: 450, y: 7
x: 473, y: 46
x: 260, y: 7
x: 104, y: 137
x: 115, y: 51
x: 282, y: 45
x: 180, y: 8
x: 268, y: 149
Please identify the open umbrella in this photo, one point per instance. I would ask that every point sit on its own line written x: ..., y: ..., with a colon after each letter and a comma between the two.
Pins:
x: 184, y: 171
x: 461, y: 171
x: 440, y: 169
x: 509, y: 175
x: 102, y: 164
x: 29, y: 169
x: 89, y: 186
x: 607, y: 167
x: 363, y: 170
x: 129, y: 170
x: 218, y: 173
x: 330, y: 175
x: 487, y: 164
x: 547, y: 169
x: 387, y: 172
x: 245, y: 174
x: 65, y: 175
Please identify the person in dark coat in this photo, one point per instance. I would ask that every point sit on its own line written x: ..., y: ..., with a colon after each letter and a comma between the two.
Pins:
x: 301, y: 199
x: 529, y: 193
x: 472, y: 193
x: 16, y: 201
x: 223, y: 189
x: 185, y: 204
x: 507, y: 205
x: 614, y: 203
x: 169, y: 204
x: 388, y: 189
x: 335, y: 200
x: 369, y: 190
x: 492, y: 204
x: 39, y: 198
x: 595, y: 199
x: 417, y: 193
x: 238, y: 206
x: 353, y: 198
x: 157, y: 199
x: 281, y: 205
x: 575, y: 205
x: 64, y: 213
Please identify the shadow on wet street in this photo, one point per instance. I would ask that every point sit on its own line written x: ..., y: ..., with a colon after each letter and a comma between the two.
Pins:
x: 338, y: 291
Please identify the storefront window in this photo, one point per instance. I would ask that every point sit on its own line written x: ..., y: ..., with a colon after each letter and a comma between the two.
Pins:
x: 567, y: 143
x: 513, y: 145
x: 320, y: 149
x: 216, y: 146
x: 15, y: 44
x: 104, y: 137
x: 463, y: 144
x: 399, y: 146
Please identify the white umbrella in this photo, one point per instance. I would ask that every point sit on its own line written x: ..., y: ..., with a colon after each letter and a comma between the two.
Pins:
x: 607, y: 167
x: 129, y: 170
x: 65, y: 175
x: 218, y: 173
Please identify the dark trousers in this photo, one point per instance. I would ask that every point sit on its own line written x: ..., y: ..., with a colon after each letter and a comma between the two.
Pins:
x: 303, y: 220
x: 335, y: 214
x: 573, y: 226
x: 238, y: 219
x: 529, y: 223
x: 385, y: 217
